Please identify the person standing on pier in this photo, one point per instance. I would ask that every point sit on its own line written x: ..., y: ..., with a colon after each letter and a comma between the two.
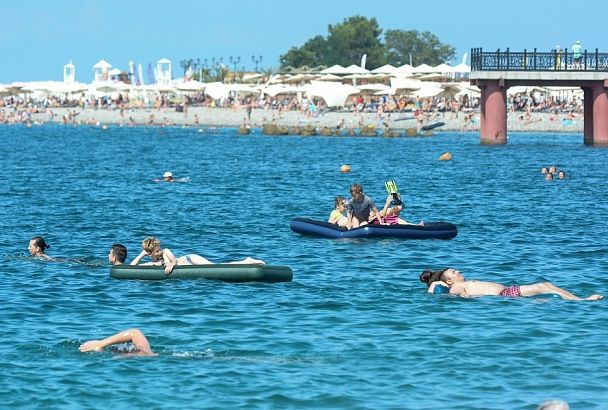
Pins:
x: 577, y: 54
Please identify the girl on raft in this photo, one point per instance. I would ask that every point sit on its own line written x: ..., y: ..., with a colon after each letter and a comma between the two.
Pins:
x: 164, y: 257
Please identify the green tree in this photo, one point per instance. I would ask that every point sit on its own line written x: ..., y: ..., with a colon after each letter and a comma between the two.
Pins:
x: 310, y: 54
x: 424, y: 47
x: 345, y: 44
x: 351, y: 39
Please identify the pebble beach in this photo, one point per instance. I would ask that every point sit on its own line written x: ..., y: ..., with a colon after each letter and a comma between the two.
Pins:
x: 231, y: 117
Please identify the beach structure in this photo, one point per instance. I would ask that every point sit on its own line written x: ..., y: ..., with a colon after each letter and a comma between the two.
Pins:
x: 101, y: 70
x: 163, y: 71
x: 494, y: 72
x: 69, y: 73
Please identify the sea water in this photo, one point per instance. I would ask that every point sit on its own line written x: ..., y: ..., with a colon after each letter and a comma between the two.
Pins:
x: 355, y: 328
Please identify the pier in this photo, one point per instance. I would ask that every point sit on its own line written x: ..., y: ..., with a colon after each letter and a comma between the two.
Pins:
x: 495, y: 71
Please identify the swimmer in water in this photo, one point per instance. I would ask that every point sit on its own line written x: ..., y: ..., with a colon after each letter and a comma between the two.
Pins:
x: 117, y: 254
x: 453, y: 279
x: 133, y: 336
x: 37, y: 246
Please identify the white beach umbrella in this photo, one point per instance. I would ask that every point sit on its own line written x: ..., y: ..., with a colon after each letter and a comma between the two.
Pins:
x: 335, y: 69
x: 329, y: 77
x: 424, y: 69
x: 278, y: 89
x: 192, y: 85
x: 385, y: 69
x: 334, y: 94
x: 462, y: 68
x: 355, y: 69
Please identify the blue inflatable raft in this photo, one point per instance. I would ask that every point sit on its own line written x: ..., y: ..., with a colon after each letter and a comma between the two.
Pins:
x: 430, y: 230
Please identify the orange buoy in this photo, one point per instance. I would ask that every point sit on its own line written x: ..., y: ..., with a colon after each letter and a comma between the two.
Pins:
x: 345, y: 168
x: 446, y: 156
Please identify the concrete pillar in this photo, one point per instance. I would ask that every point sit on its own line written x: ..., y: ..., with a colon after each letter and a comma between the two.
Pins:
x: 493, y: 113
x: 600, y: 115
x: 588, y: 107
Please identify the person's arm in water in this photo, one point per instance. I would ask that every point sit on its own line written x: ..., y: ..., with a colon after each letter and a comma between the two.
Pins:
x: 435, y: 284
x: 134, y: 336
x: 170, y: 261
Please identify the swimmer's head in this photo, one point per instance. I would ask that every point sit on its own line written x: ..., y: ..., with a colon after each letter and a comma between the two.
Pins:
x: 451, y: 276
x: 37, y: 245
x: 118, y: 254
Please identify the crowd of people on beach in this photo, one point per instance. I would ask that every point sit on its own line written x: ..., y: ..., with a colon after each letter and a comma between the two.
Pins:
x: 23, y: 109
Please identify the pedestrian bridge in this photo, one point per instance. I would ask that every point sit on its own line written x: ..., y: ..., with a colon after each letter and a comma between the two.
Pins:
x: 495, y: 71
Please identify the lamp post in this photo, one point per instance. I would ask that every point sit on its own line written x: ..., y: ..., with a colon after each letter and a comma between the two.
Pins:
x: 256, y: 61
x: 234, y: 61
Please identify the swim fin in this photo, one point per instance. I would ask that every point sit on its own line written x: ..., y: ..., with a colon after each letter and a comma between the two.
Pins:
x: 391, y: 187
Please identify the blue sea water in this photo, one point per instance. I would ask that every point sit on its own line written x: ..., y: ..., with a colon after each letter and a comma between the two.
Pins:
x: 355, y: 328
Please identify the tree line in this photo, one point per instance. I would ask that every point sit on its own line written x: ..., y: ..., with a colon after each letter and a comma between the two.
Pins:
x: 347, y: 42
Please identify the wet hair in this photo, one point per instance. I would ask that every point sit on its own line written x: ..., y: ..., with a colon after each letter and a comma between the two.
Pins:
x: 428, y: 276
x: 120, y: 252
x: 339, y: 200
x: 149, y: 243
x: 356, y: 187
x: 39, y: 242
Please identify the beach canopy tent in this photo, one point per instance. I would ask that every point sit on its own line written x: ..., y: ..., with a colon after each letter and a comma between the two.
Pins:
x: 403, y: 71
x: 385, y: 69
x: 373, y: 89
x: 461, y: 68
x: 279, y: 89
x: 355, y: 69
x: 329, y: 77
x: 57, y: 88
x: 217, y: 90
x: 252, y: 77
x: 107, y: 87
x: 423, y: 69
x: 190, y: 86
x: 428, y: 89
x: 334, y: 94
x: 443, y: 68
x: 335, y: 69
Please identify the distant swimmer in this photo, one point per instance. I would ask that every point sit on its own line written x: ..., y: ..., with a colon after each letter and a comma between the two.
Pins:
x: 37, y: 246
x: 168, y: 177
x: 458, y: 286
x: 141, y: 346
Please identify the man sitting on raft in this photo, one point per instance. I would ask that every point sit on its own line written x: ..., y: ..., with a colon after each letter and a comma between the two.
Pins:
x: 361, y: 208
x: 164, y: 257
x: 457, y: 285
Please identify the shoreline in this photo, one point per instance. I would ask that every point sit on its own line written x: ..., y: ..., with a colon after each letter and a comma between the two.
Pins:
x: 231, y: 117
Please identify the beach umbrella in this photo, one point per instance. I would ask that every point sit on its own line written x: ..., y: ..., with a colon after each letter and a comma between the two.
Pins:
x: 449, y: 90
x: 334, y: 69
x: 334, y: 94
x: 355, y: 69
x: 329, y: 77
x: 385, y: 69
x: 192, y: 85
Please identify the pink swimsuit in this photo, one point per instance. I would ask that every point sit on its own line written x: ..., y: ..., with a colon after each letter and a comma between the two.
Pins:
x: 511, y: 292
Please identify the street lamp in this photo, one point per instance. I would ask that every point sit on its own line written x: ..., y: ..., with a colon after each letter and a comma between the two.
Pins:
x: 234, y: 61
x: 256, y: 61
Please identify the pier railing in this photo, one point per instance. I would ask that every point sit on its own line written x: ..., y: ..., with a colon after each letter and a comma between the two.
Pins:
x: 554, y: 60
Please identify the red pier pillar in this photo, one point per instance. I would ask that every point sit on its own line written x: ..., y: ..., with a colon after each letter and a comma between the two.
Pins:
x: 493, y: 113
x: 600, y: 116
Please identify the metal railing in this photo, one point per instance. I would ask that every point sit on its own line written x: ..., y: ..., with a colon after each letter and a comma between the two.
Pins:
x: 554, y: 60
